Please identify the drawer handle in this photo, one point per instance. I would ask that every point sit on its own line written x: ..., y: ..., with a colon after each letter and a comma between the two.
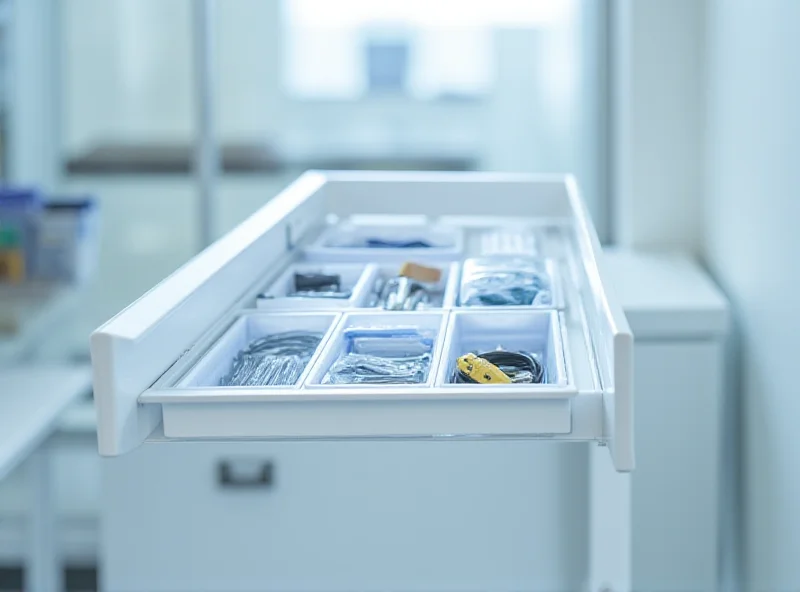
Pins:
x: 245, y: 474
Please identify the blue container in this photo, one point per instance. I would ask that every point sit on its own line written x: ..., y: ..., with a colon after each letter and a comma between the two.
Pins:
x: 68, y: 240
x: 20, y: 210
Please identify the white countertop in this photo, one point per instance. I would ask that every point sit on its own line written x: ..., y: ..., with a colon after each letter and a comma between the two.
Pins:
x: 32, y: 400
x: 31, y: 313
x: 666, y: 295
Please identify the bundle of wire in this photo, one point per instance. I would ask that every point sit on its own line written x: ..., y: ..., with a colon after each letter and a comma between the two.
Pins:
x: 382, y: 356
x: 520, y: 367
x: 274, y: 360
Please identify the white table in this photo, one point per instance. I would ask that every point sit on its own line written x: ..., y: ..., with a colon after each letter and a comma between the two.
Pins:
x: 28, y: 316
x: 32, y: 399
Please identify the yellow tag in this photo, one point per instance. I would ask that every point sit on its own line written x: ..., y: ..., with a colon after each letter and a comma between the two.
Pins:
x: 481, y: 370
x: 12, y: 266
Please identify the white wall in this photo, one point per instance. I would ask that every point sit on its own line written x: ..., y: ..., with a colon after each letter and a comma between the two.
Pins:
x: 33, y: 81
x: 752, y: 245
x: 657, y: 120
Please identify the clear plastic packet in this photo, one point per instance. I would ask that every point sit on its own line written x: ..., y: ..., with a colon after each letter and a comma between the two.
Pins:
x: 355, y: 368
x: 505, y: 281
x: 273, y: 360
x: 383, y: 355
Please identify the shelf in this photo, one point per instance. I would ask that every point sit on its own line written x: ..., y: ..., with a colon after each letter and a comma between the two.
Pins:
x: 158, y: 363
x: 32, y: 399
x: 28, y: 313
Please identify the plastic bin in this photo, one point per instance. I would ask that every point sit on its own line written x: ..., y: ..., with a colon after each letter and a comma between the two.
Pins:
x: 217, y: 361
x: 68, y: 240
x: 348, y: 241
x: 443, y: 293
x: 356, y: 277
x: 500, y: 278
x: 432, y: 323
x: 534, y: 332
x: 20, y: 214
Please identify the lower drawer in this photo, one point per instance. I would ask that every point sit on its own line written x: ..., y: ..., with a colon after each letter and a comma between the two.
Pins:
x: 345, y: 516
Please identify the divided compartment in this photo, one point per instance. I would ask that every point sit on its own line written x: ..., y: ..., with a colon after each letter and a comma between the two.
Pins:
x: 217, y: 361
x: 433, y: 323
x: 443, y: 293
x: 348, y: 241
x: 546, y: 268
x: 535, y: 332
x: 356, y: 277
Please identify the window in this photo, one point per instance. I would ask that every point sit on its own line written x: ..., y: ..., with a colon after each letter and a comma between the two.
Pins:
x: 421, y: 48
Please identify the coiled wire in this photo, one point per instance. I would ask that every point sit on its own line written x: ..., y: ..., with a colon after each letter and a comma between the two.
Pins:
x: 520, y: 367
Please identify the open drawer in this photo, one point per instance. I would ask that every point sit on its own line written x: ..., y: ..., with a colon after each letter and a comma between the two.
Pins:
x: 159, y: 364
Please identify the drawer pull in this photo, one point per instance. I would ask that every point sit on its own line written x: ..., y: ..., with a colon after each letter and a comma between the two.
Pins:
x: 245, y: 474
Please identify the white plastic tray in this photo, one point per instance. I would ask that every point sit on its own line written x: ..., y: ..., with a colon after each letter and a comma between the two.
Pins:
x: 432, y: 323
x: 537, y: 333
x: 141, y: 356
x: 553, y: 278
x: 193, y: 406
x: 444, y: 291
x: 248, y: 327
x: 356, y: 277
x: 339, y: 242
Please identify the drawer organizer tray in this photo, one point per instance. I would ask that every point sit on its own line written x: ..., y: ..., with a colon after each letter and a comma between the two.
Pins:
x: 443, y: 293
x: 358, y: 278
x: 158, y: 364
x: 351, y: 240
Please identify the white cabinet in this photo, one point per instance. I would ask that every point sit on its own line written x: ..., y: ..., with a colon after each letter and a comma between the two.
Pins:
x: 679, y: 319
x: 435, y: 486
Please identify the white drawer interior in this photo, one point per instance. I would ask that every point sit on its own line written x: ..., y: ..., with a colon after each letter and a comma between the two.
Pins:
x: 217, y: 364
x: 355, y: 281
x: 165, y: 367
x: 391, y: 241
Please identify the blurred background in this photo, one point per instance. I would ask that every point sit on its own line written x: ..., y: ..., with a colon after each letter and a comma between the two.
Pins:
x: 507, y: 85
x: 679, y: 118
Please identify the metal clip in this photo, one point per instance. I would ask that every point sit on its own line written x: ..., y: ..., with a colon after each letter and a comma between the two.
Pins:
x: 402, y: 293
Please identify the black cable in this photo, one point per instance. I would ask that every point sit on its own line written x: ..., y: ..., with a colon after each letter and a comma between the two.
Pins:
x: 379, y: 243
x: 513, y: 364
x: 317, y: 282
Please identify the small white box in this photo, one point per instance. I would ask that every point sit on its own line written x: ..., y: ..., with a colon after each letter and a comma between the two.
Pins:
x: 356, y: 277
x: 534, y: 332
x: 430, y: 322
x: 217, y: 361
x: 443, y: 293
x: 349, y: 241
x: 548, y: 272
